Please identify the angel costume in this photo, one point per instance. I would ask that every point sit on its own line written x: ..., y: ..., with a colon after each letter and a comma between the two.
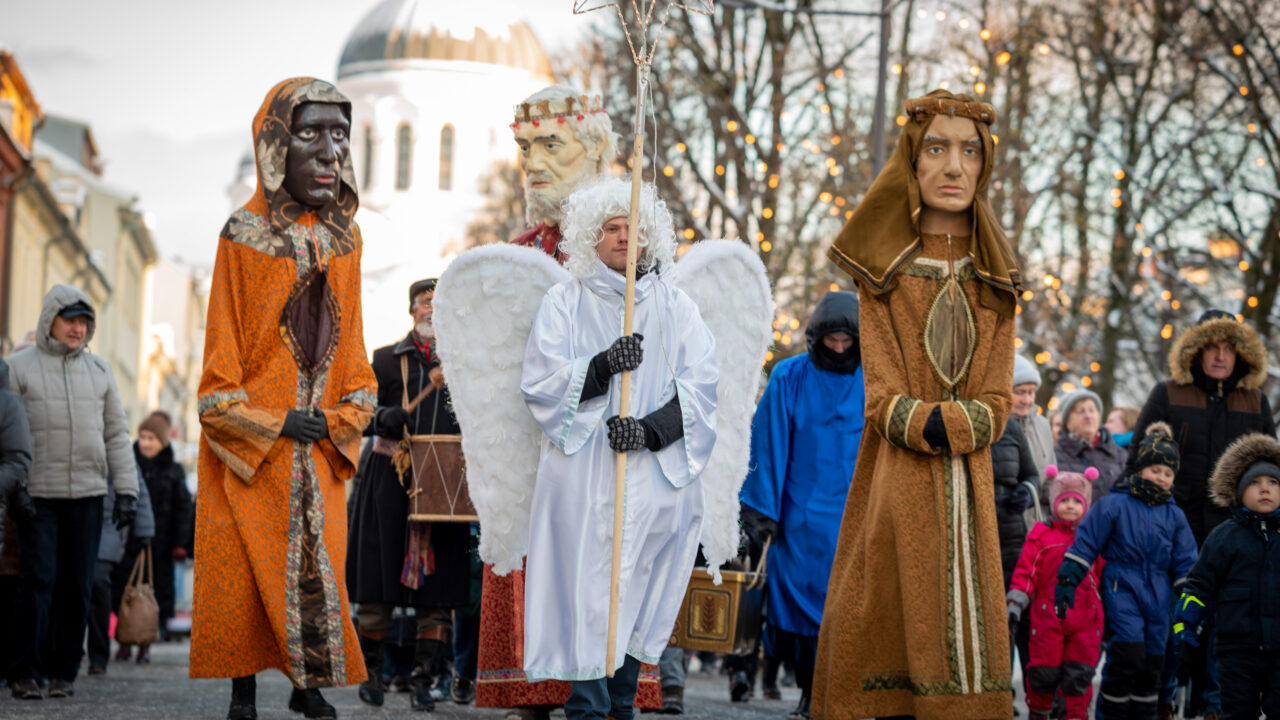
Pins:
x: 915, y: 615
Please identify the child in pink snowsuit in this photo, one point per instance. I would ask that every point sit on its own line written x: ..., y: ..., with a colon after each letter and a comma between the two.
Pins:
x: 1064, y: 653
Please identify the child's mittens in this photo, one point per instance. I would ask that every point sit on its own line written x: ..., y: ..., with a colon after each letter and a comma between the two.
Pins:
x: 1187, y: 625
x: 1070, y: 574
x: 1015, y: 618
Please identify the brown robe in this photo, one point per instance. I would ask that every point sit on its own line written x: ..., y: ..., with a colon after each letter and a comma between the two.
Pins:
x: 915, y: 615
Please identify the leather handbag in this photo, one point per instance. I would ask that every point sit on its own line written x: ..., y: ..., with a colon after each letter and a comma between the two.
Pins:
x: 138, y: 619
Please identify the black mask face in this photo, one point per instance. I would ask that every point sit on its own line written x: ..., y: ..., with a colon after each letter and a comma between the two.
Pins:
x: 835, y: 312
x: 318, y: 147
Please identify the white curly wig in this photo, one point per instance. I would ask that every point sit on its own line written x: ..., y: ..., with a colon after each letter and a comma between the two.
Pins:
x: 587, y: 210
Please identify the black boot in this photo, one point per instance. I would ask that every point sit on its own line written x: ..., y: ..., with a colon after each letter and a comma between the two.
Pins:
x: 425, y: 653
x: 311, y: 704
x: 371, y: 690
x: 244, y: 691
x: 802, y: 708
x: 769, y: 678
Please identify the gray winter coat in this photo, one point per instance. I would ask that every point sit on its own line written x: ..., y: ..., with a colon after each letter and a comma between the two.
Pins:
x: 111, y: 547
x: 79, y: 435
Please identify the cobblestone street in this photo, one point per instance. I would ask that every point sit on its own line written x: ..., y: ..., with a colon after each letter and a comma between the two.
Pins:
x: 162, y: 691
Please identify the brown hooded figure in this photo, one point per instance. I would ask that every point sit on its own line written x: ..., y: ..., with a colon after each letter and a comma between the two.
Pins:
x: 915, y: 616
x: 285, y: 393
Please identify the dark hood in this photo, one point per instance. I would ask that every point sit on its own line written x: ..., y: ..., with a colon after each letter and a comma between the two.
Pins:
x: 836, y: 312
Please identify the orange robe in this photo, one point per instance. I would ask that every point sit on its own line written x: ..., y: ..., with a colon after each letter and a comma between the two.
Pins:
x: 284, y: 331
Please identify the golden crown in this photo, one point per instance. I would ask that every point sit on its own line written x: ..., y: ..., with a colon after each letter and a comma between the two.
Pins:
x: 578, y: 107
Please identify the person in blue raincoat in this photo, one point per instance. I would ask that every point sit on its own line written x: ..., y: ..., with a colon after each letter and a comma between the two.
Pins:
x: 1149, y: 551
x: 804, y: 444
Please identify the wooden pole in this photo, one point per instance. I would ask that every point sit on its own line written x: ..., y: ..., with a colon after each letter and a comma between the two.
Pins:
x: 624, y: 399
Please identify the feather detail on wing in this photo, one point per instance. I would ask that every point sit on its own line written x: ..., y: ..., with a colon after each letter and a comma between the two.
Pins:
x: 731, y: 289
x: 485, y: 303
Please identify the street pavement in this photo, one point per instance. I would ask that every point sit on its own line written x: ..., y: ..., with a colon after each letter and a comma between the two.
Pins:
x: 162, y: 691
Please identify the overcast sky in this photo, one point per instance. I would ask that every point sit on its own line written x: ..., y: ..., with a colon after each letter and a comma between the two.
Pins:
x: 170, y: 87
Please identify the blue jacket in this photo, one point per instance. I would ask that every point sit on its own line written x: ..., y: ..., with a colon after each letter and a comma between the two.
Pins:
x: 1149, y: 551
x: 804, y: 445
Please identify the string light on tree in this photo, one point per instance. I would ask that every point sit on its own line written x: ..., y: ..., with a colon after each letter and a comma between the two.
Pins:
x: 1166, y: 332
x: 1003, y: 58
x: 1095, y: 366
x: 766, y: 246
x: 980, y: 87
x: 1238, y: 49
x: 680, y: 147
x: 1043, y: 49
x: 1244, y: 266
x: 985, y: 34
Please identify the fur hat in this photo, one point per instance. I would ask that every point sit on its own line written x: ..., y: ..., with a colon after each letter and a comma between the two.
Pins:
x: 1226, y: 484
x: 157, y: 423
x: 1157, y: 448
x: 1070, y: 484
x: 1025, y: 371
x: 1214, y: 326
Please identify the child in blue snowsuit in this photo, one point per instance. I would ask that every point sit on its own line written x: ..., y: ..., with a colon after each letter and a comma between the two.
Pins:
x: 1149, y: 549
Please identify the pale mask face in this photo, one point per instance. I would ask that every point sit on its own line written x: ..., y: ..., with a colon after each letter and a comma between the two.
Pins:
x: 553, y: 160
x: 949, y: 164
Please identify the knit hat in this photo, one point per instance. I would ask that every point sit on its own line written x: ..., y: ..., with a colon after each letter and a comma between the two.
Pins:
x: 157, y: 423
x: 1256, y: 470
x: 418, y: 288
x: 1069, y: 400
x: 1157, y: 448
x: 1025, y: 371
x: 1070, y: 484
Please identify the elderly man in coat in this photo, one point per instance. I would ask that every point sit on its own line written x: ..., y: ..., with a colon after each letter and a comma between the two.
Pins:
x: 79, y: 439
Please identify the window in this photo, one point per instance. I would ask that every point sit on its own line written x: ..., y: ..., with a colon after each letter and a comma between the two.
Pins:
x: 404, y: 156
x: 446, y: 157
x: 367, y: 180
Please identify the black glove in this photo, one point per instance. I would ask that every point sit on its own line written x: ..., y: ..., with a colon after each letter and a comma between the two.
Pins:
x: 22, y: 506
x: 392, y: 421
x: 124, y: 512
x: 1070, y: 574
x: 758, y: 526
x: 625, y: 353
x: 626, y: 434
x: 319, y: 417
x: 1017, y: 502
x: 304, y: 427
x: 935, y: 431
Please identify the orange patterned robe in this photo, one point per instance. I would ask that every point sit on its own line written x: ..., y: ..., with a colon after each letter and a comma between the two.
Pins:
x: 284, y: 332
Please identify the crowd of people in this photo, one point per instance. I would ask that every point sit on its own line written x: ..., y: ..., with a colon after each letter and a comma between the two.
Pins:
x: 78, y: 503
x: 912, y: 498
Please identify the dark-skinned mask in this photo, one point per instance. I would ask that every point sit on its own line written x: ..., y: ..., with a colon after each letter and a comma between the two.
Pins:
x: 318, y: 147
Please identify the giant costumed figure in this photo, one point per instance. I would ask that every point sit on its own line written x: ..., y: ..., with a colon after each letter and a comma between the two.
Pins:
x: 915, y: 616
x: 535, y: 406
x: 565, y: 140
x: 392, y: 561
x: 285, y: 394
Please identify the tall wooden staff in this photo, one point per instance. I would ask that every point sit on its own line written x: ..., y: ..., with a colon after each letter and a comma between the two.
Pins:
x: 642, y: 54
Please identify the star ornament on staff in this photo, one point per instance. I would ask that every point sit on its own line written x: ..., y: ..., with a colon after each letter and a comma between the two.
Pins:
x: 636, y: 18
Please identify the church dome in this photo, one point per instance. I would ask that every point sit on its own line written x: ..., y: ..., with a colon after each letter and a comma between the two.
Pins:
x: 396, y: 31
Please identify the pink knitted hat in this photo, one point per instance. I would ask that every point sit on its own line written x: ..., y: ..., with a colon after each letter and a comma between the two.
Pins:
x: 1070, y: 484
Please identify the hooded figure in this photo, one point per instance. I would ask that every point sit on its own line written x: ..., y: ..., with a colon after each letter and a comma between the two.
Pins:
x: 285, y: 394
x: 804, y: 446
x: 79, y: 448
x: 916, y: 586
x: 1207, y: 413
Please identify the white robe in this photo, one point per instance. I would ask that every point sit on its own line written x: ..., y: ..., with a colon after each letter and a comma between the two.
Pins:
x: 567, y: 575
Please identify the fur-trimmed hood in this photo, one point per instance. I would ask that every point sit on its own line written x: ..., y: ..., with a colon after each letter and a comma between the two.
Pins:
x: 1239, y: 457
x: 1249, y: 349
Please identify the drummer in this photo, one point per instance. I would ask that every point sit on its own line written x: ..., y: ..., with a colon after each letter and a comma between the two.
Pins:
x: 434, y: 576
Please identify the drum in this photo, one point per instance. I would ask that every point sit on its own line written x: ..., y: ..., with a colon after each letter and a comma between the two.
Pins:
x: 438, y: 490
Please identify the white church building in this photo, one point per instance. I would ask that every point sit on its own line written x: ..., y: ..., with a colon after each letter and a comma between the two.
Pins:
x: 432, y: 86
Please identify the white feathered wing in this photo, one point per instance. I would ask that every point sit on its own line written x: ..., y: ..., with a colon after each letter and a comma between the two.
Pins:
x: 731, y: 289
x: 485, y: 303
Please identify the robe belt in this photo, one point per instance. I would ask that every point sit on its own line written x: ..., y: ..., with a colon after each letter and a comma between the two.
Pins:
x: 385, y: 446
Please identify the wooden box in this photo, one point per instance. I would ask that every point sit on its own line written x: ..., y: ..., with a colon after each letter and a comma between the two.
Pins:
x: 721, y: 618
x: 438, y: 492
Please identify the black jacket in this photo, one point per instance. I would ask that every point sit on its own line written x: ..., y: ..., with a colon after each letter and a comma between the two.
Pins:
x: 1011, y: 466
x: 15, y: 445
x: 170, y: 500
x: 1239, y: 568
x: 1207, y: 415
